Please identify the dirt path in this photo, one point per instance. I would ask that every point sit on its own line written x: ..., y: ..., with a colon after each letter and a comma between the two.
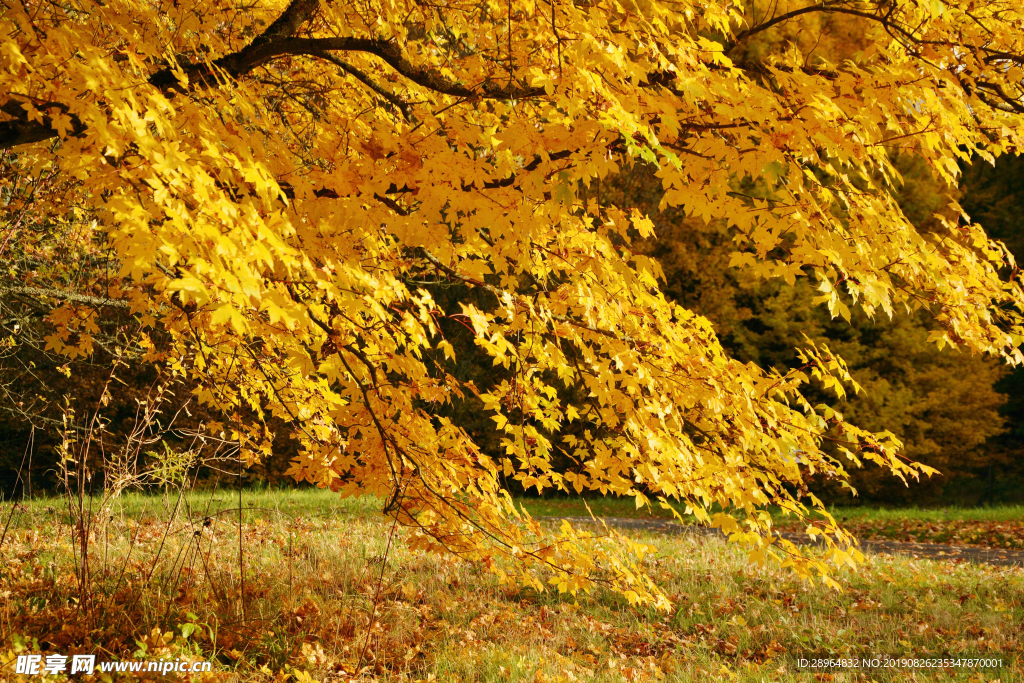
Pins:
x: 930, y: 551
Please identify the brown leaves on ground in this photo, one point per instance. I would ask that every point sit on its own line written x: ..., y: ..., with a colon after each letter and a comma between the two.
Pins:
x: 309, y: 606
x: 1008, y: 535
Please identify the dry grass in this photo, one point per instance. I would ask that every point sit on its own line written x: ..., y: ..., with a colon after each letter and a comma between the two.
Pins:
x: 164, y: 582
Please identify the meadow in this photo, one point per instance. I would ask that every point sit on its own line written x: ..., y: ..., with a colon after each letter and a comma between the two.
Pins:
x: 997, y: 526
x: 303, y: 585
x: 626, y: 507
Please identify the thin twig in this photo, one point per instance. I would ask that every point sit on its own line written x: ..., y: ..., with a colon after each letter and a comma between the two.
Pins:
x: 14, y: 506
x: 376, y: 594
x: 241, y: 565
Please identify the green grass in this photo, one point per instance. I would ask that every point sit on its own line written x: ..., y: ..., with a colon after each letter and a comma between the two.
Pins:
x: 995, y: 513
x: 312, y: 563
x: 270, y: 502
x: 222, y: 504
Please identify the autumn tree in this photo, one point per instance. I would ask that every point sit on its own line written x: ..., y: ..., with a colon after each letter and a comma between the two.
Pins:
x: 289, y: 189
x: 944, y: 407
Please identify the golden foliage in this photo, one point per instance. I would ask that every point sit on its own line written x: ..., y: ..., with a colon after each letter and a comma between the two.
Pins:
x: 288, y: 187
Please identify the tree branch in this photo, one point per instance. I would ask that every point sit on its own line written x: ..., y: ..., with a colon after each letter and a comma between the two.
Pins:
x: 269, y: 46
x: 249, y: 57
x: 65, y: 296
x: 244, y: 61
x: 393, y: 99
x: 21, y: 131
x: 764, y: 26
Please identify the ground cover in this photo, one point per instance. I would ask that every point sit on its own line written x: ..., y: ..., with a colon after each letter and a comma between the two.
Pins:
x: 1007, y: 535
x: 564, y: 506
x: 987, y: 527
x: 321, y: 593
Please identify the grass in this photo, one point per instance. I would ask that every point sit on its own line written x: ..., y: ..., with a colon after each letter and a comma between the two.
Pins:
x: 222, y: 504
x: 992, y: 527
x: 994, y: 513
x: 165, y: 583
x: 267, y: 503
x: 626, y: 507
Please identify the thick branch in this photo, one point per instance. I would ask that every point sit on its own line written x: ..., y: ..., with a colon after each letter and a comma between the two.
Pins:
x: 21, y: 131
x: 253, y: 56
x: 249, y: 57
x: 64, y: 296
x: 295, y: 15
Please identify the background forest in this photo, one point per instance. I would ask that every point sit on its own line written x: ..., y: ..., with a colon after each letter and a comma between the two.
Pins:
x: 961, y: 414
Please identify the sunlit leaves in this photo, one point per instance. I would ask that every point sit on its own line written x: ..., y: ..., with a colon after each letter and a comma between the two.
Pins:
x: 311, y: 199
